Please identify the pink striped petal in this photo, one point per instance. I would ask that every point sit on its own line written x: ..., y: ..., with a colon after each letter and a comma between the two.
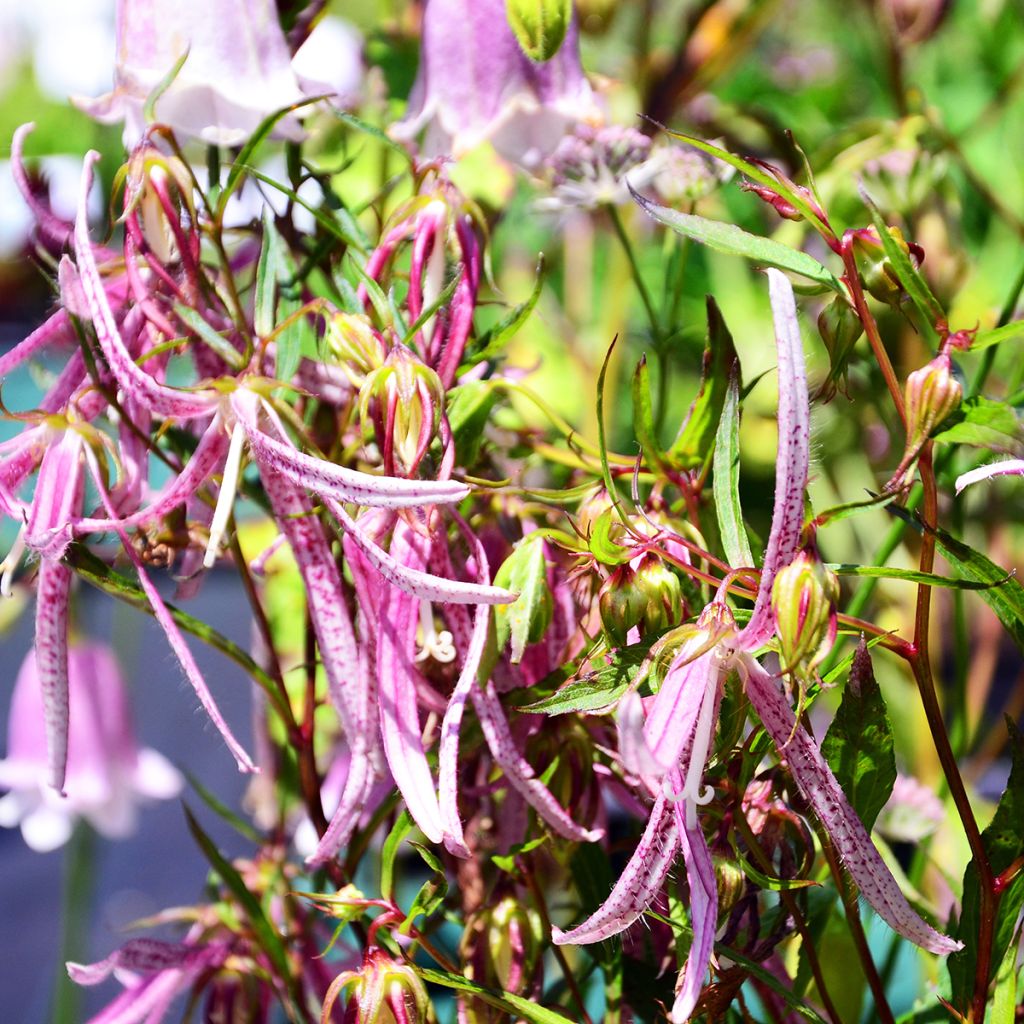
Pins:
x: 52, y: 597
x: 638, y: 885
x: 1011, y: 467
x: 673, y: 715
x: 791, y: 462
x: 821, y: 790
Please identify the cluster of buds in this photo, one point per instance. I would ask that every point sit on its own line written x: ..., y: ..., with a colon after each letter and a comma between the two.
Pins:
x: 382, y: 991
x: 804, y: 597
x: 647, y: 597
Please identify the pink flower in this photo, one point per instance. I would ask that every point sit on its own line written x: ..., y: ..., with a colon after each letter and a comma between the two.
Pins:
x: 107, y: 773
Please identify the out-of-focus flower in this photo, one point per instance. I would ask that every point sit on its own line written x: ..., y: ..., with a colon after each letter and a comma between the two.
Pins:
x: 107, y: 772
x: 330, y: 61
x: 476, y: 85
x: 912, y: 812
x: 236, y: 71
x: 680, y: 174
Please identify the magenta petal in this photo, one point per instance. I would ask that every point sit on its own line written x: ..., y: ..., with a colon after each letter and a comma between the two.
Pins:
x: 638, y: 885
x: 700, y: 878
x: 821, y: 790
x: 791, y: 462
x: 53, y: 593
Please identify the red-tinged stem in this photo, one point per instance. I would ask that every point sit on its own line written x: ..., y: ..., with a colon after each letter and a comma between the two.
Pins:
x: 905, y: 650
x: 852, y: 280
x: 921, y: 665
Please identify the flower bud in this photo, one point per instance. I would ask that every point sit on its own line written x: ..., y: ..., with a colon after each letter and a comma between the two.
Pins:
x: 539, y: 25
x: 384, y: 991
x: 664, y: 596
x: 804, y: 596
x: 404, y: 398
x: 501, y: 947
x: 931, y: 394
x: 158, y: 204
x: 877, y: 273
x: 622, y: 604
x: 840, y: 327
x: 782, y: 207
x: 358, y: 348
x: 730, y: 882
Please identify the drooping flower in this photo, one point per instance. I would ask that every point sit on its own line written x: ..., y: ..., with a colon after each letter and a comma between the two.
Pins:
x: 107, y: 772
x: 236, y: 71
x: 669, y: 745
x: 476, y: 85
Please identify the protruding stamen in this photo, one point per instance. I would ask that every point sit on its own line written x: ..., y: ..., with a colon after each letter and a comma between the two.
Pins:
x: 433, y: 643
x: 226, y: 497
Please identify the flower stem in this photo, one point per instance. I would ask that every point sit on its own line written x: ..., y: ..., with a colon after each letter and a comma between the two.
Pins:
x: 79, y: 879
x: 641, y: 287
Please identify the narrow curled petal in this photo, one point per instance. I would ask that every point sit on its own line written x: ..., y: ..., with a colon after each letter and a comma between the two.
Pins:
x: 56, y: 328
x: 700, y: 878
x: 52, y: 597
x: 518, y: 770
x: 51, y: 227
x: 173, y: 634
x: 145, y: 955
x: 328, y: 480
x: 792, y: 460
x: 1011, y: 467
x: 399, y: 707
x: 821, y: 790
x: 163, y: 401
x: 411, y: 580
x: 638, y: 885
x: 358, y: 784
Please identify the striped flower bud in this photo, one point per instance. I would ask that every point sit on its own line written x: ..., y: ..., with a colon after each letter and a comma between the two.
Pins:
x: 804, y: 597
x: 353, y: 342
x: 404, y: 399
x: 384, y: 991
x: 931, y: 394
x: 664, y: 596
x: 622, y: 604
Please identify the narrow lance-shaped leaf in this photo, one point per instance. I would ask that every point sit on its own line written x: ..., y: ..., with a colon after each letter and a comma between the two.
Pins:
x: 643, y: 415
x: 1004, y: 845
x: 858, y: 745
x: 726, y: 480
x: 691, y: 446
x: 526, y: 619
x: 734, y: 241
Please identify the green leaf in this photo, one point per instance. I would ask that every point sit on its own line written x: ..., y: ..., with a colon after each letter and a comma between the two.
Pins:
x: 984, y: 423
x: 768, y: 882
x: 997, y: 335
x: 207, y: 334
x: 726, y: 478
x: 267, y: 274
x: 519, y: 1008
x: 469, y: 409
x: 602, y: 543
x: 493, y: 339
x: 389, y: 853
x: 734, y: 241
x: 149, y: 107
x: 526, y: 619
x: 507, y: 861
x: 221, y: 809
x: 932, y: 314
x: 431, y: 894
x: 692, y: 446
x: 372, y: 130
x: 265, y: 933
x: 598, y: 689
x: 442, y: 300
x: 1004, y: 844
x: 1004, y: 595
x: 858, y: 746
x: 929, y: 579
x: 643, y: 415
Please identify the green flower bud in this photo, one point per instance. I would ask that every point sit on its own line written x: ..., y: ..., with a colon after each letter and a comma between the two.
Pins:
x: 539, y: 25
x: 501, y: 946
x: 931, y: 394
x: 664, y: 595
x: 622, y: 603
x: 404, y: 398
x: 731, y: 884
x: 840, y: 327
x: 804, y: 597
x: 358, y: 348
x: 877, y: 273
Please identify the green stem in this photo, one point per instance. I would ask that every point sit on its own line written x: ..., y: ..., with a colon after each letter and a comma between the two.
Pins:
x: 641, y: 287
x: 79, y: 878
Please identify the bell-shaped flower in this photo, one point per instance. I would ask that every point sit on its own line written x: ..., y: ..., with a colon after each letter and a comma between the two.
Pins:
x: 476, y: 85
x: 669, y: 746
x: 107, y: 772
x: 237, y: 69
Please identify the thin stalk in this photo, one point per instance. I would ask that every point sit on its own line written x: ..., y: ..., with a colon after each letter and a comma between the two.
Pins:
x: 641, y: 287
x: 79, y: 880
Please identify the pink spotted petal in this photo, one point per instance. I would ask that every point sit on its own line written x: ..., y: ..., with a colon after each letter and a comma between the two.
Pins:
x: 821, y: 790
x: 638, y: 885
x: 791, y: 462
x: 52, y: 596
x: 1011, y: 467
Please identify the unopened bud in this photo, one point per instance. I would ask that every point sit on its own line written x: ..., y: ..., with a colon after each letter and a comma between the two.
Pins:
x: 664, y: 595
x: 404, y: 397
x: 158, y: 202
x: 358, y: 348
x: 877, y: 273
x: 731, y: 883
x: 931, y: 394
x: 539, y: 25
x: 840, y: 327
x: 622, y: 604
x: 384, y: 991
x: 501, y: 946
x: 783, y: 207
x: 804, y: 597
